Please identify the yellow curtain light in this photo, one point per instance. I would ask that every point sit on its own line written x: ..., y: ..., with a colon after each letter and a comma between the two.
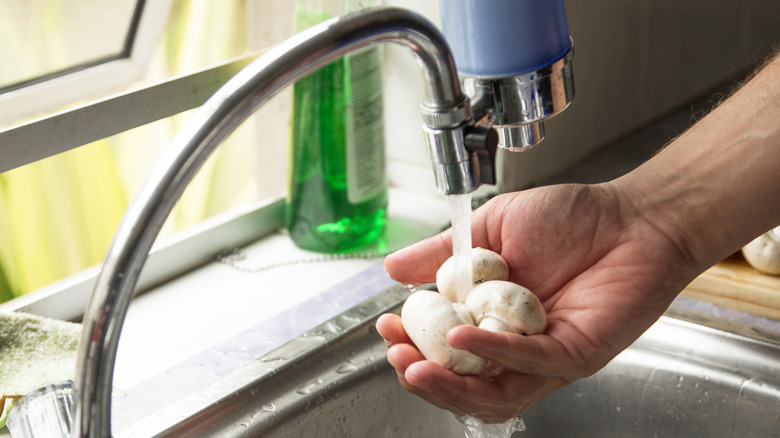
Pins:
x: 58, y: 215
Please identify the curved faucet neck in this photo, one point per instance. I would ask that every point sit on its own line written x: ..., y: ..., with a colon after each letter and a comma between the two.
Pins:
x: 448, y: 111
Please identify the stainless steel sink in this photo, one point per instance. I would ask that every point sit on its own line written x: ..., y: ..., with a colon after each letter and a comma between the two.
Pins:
x: 681, y: 379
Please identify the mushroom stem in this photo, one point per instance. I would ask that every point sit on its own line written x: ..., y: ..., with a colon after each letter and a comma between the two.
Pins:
x: 506, y: 304
x: 495, y: 325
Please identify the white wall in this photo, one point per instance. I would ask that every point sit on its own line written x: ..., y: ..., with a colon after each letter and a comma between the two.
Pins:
x: 408, y: 165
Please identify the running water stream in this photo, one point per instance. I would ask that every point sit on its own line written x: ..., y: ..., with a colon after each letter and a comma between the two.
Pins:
x: 460, y: 213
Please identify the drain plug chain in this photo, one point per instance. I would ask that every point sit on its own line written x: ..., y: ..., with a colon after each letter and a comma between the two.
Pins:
x: 236, y: 257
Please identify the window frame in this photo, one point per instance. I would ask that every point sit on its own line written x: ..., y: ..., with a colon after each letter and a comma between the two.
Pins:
x: 81, y: 83
x: 60, y: 132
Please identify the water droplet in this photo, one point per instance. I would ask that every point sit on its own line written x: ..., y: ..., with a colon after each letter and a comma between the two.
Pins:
x: 345, y: 321
x: 269, y: 407
x: 330, y: 327
x: 307, y: 388
x: 346, y: 368
x: 412, y: 287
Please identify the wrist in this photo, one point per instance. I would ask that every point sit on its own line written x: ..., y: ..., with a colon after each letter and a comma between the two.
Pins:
x: 716, y: 187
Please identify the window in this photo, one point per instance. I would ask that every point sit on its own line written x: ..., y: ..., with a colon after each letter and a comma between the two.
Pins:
x: 66, y: 51
x: 46, y: 37
x: 58, y: 214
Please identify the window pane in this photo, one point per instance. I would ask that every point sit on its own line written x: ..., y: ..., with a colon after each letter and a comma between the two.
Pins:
x: 59, y: 214
x: 45, y: 37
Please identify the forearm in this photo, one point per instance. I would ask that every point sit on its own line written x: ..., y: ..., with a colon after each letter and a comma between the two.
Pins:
x: 718, y: 185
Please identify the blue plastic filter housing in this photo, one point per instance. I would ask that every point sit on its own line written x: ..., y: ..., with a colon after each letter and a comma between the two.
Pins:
x: 495, y: 38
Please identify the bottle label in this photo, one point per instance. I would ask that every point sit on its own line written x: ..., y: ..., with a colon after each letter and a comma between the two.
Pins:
x: 365, y: 131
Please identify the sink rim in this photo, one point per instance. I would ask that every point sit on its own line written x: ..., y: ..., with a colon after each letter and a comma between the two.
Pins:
x: 322, y: 345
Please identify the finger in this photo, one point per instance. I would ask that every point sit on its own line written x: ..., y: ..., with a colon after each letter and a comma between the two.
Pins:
x: 390, y: 327
x: 418, y: 263
x: 497, y: 400
x: 401, y: 356
x: 404, y: 356
x: 536, y: 354
x: 428, y: 380
x: 493, y: 401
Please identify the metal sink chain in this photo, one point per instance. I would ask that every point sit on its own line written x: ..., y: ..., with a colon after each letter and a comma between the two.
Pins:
x: 236, y: 256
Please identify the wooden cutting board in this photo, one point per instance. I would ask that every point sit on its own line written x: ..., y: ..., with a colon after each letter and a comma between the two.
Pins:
x: 733, y: 283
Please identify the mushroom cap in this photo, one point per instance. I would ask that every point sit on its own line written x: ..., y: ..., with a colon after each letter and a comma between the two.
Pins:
x: 763, y: 253
x: 427, y: 317
x: 486, y: 265
x: 510, y: 304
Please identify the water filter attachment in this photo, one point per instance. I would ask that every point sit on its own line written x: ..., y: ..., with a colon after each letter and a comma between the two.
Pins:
x: 515, y: 63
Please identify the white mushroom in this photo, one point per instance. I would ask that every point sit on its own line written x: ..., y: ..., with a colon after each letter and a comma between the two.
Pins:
x: 494, y: 304
x: 487, y: 265
x: 503, y: 306
x: 763, y: 253
x: 427, y: 317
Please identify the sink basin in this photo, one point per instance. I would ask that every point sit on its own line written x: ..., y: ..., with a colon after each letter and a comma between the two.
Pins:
x: 680, y: 379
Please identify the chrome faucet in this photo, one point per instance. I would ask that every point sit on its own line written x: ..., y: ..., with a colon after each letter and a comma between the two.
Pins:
x: 460, y: 153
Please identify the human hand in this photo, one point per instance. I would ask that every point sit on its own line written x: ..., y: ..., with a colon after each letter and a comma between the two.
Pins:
x: 603, y: 272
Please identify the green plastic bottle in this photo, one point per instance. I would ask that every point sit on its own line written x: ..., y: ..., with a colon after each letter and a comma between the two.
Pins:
x: 337, y: 196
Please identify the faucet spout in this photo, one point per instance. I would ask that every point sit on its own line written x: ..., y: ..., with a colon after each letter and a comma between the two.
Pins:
x: 447, y: 114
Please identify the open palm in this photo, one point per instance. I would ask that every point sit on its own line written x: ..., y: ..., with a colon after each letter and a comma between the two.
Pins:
x: 603, y: 272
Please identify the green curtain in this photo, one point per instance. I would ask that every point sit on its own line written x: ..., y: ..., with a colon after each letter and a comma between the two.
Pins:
x: 58, y: 215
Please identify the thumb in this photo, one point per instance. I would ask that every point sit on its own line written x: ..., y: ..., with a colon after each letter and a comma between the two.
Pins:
x: 418, y: 263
